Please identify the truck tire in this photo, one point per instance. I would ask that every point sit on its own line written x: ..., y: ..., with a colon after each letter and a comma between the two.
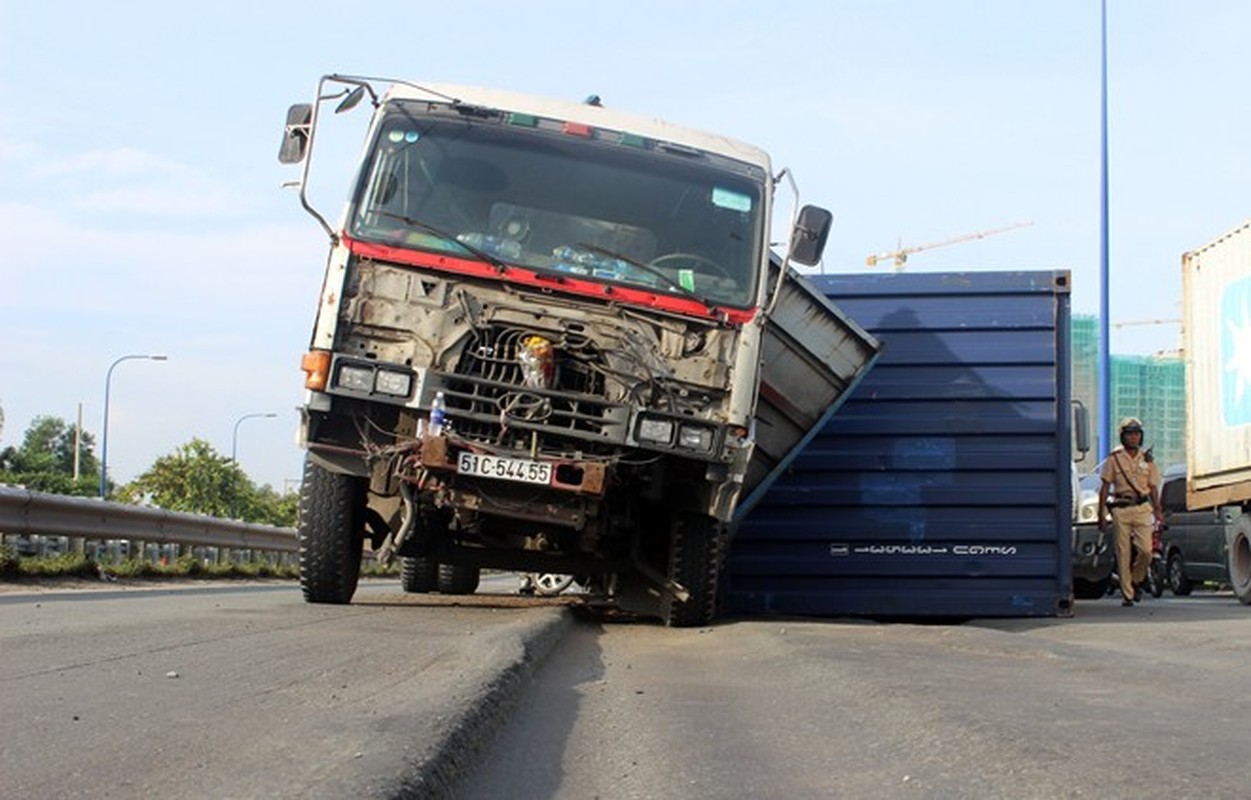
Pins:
x: 696, y: 549
x: 419, y: 574
x: 331, y: 534
x: 456, y: 579
x: 1177, y: 580
x: 1239, y: 559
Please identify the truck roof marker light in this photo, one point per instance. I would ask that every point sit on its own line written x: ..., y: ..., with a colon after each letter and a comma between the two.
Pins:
x: 316, y: 366
x: 577, y: 129
x: 522, y: 120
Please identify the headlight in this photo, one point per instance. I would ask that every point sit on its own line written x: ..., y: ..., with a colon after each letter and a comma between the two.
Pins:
x: 394, y: 383
x: 691, y: 437
x: 358, y: 379
x: 1086, y: 511
x: 659, y: 431
x: 372, y: 380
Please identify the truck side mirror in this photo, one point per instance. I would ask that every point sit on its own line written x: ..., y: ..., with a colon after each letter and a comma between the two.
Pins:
x: 812, y: 228
x: 296, y: 135
x: 1081, y: 428
x: 351, y: 101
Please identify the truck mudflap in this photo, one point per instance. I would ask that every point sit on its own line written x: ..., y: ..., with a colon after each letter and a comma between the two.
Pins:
x: 813, y: 356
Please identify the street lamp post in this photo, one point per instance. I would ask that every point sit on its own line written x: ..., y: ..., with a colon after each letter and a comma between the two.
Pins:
x: 104, y: 431
x: 234, y: 448
x: 234, y: 438
x: 1105, y: 368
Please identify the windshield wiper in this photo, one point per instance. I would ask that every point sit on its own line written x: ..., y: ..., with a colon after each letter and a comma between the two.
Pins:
x: 477, y: 252
x: 669, y: 282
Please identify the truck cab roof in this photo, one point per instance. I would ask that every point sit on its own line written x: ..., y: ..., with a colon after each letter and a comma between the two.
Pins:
x: 593, y: 116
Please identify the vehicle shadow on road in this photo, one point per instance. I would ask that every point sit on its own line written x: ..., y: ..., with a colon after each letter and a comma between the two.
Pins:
x: 1202, y: 606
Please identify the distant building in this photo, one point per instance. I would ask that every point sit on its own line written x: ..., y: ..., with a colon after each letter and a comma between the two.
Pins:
x: 1152, y: 388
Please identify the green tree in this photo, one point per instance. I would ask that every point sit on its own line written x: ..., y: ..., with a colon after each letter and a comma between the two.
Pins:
x: 197, y: 479
x: 45, y: 460
x: 275, y: 509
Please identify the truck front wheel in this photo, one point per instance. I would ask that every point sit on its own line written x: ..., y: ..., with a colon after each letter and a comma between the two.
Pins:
x: 332, y: 534
x: 696, y: 549
x: 1240, y: 559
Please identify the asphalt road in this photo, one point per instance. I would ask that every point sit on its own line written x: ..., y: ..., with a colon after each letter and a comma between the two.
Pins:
x: 249, y: 692
x: 1148, y: 702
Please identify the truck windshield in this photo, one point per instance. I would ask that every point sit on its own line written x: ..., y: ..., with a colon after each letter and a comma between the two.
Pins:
x: 605, y: 207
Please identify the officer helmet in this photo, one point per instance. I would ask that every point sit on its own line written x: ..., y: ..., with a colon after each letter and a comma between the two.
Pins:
x: 1130, y: 424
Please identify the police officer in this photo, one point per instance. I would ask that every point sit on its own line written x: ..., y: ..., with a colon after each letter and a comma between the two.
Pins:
x: 1130, y: 487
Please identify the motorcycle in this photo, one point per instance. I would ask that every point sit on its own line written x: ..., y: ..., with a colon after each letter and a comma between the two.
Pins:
x: 1157, y: 571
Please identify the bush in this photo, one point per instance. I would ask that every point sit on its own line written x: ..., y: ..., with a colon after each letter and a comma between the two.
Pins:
x: 374, y: 569
x: 74, y: 565
x: 70, y: 565
x: 9, y: 562
x: 189, y: 565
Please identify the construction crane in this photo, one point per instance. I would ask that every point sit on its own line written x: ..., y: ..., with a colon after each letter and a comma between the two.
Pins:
x: 1128, y: 323
x: 900, y: 256
x: 1137, y: 322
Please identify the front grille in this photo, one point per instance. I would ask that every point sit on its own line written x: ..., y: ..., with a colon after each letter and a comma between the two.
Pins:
x: 488, y: 398
x: 493, y: 354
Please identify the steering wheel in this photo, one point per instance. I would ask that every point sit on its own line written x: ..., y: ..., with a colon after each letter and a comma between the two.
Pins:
x: 692, y: 258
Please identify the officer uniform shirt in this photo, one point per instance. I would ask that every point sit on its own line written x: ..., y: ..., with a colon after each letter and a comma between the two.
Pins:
x: 1130, y: 476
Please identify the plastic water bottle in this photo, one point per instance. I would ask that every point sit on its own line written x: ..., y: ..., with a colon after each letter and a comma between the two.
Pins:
x: 437, y: 409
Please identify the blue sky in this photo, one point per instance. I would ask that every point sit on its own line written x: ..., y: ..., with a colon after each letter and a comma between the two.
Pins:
x: 142, y: 212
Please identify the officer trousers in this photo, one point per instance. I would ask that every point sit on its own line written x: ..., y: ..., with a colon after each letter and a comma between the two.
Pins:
x: 1132, y: 526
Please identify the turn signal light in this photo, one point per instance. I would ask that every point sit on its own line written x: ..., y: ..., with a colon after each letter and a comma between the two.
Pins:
x: 316, y: 366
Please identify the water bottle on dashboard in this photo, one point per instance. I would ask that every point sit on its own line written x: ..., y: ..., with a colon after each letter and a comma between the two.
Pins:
x: 437, y: 410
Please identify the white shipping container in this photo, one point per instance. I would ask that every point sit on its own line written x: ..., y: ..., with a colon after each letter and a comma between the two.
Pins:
x: 1216, y: 337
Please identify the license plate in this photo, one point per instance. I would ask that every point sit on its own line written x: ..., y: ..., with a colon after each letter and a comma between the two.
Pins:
x: 505, y: 469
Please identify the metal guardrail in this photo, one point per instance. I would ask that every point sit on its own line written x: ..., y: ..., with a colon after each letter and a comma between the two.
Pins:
x: 24, y: 512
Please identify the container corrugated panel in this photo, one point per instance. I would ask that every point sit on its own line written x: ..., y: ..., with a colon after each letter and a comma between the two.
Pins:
x: 1216, y: 341
x: 942, y: 485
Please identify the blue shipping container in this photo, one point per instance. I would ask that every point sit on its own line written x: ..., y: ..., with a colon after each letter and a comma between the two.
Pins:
x: 941, y: 487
